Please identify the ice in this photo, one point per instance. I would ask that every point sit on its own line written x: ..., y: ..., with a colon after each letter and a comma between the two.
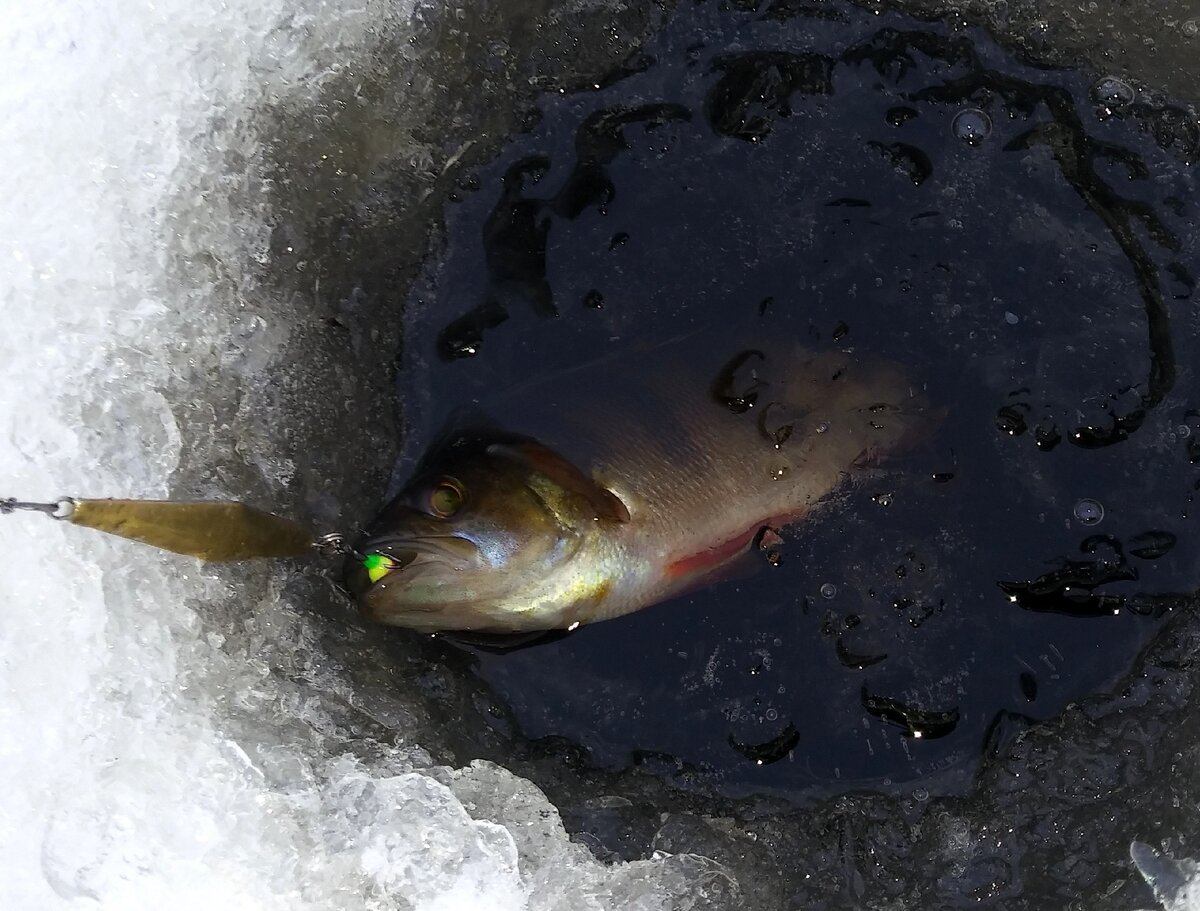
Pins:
x: 1176, y: 883
x: 154, y: 754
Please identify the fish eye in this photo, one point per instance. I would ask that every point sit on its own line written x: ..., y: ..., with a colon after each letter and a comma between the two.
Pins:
x: 445, y: 498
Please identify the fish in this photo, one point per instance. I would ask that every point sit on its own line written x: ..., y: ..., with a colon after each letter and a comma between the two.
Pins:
x: 623, y: 483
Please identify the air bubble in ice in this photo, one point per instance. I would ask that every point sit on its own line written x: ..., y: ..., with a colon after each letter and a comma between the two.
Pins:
x: 828, y: 590
x: 972, y: 126
x: 1112, y: 93
x: 1089, y: 511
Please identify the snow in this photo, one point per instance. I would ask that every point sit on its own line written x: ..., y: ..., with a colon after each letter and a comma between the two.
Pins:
x: 151, y: 756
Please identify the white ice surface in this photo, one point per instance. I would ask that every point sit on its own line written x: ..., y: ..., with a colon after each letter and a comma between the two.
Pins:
x: 1176, y: 883
x: 123, y: 787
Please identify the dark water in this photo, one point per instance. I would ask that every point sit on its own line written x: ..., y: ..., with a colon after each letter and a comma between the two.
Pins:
x: 1019, y: 238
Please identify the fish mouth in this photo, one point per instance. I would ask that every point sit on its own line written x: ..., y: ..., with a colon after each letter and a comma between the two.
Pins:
x: 453, y: 549
x: 405, y: 558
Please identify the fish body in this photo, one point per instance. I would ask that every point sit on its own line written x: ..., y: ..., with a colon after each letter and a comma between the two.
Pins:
x: 624, y: 483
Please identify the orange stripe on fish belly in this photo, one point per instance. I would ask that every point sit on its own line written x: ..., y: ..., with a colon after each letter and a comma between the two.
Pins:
x: 712, y: 558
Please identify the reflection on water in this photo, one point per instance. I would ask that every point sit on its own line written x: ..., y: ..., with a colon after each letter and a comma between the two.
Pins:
x: 1019, y: 238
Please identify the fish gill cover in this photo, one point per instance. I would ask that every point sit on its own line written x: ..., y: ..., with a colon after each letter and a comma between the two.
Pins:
x: 218, y: 310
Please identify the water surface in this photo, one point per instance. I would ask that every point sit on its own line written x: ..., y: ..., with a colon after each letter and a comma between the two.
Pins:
x: 1017, y: 236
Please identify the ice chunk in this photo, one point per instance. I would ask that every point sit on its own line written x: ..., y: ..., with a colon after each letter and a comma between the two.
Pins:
x: 562, y: 874
x: 1176, y: 883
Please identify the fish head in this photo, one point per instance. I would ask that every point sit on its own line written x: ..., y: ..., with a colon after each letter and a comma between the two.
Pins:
x: 484, y: 522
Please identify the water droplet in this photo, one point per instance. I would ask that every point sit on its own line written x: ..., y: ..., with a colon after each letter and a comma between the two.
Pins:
x: 777, y: 423
x: 1010, y: 419
x: 1184, y: 431
x: 907, y: 160
x: 1150, y: 545
x: 921, y: 794
x: 1191, y: 28
x: 1089, y: 512
x: 823, y: 427
x: 900, y: 115
x: 972, y: 126
x: 828, y: 590
x: 1028, y: 686
x: 1145, y: 606
x: 771, y: 545
x: 1112, y: 93
x: 1046, y: 437
x: 1011, y: 318
x: 738, y: 385
x: 594, y: 299
x: 771, y: 714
